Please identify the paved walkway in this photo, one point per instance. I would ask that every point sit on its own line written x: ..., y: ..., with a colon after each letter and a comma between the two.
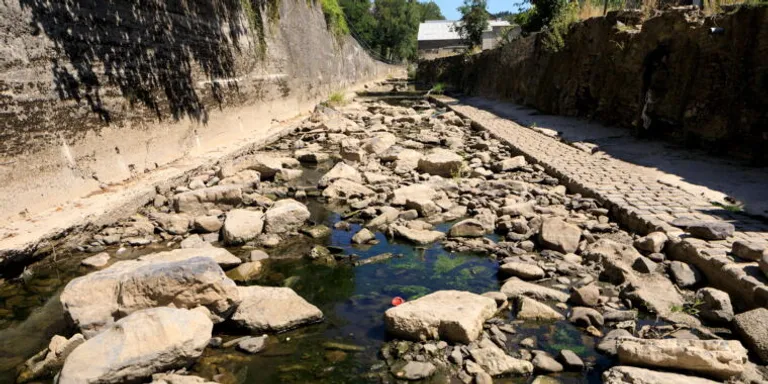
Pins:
x: 636, y: 198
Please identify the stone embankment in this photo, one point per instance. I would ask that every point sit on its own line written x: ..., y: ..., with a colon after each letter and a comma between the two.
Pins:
x: 422, y: 175
x: 670, y: 76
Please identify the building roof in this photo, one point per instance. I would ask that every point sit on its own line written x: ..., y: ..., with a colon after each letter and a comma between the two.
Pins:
x: 446, y: 29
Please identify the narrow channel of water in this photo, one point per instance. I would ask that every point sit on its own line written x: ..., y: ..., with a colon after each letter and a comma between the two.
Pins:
x: 345, y: 348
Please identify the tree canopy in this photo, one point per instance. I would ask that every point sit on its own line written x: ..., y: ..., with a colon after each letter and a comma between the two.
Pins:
x: 389, y: 27
x: 474, y: 21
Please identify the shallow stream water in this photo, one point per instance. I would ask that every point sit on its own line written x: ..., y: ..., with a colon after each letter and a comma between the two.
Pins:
x: 344, y: 348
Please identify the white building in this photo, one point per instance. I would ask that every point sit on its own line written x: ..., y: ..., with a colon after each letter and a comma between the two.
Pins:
x: 439, y: 38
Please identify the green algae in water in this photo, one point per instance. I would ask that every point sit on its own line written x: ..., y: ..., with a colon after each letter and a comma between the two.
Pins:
x: 445, y: 263
x: 409, y: 292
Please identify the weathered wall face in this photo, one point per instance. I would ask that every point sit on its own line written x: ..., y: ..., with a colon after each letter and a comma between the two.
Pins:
x: 671, y: 78
x: 93, y: 92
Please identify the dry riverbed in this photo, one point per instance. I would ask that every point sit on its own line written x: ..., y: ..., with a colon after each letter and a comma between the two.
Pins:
x: 285, y: 266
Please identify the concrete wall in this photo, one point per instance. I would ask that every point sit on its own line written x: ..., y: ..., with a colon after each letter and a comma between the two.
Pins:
x: 669, y: 77
x: 96, y: 92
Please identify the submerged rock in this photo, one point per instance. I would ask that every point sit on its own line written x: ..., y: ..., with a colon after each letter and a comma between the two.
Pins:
x: 530, y: 309
x: 172, y: 378
x: 273, y: 309
x: 414, y: 370
x: 453, y: 316
x: 716, y: 358
x: 96, y: 261
x: 97, y: 300
x: 139, y: 345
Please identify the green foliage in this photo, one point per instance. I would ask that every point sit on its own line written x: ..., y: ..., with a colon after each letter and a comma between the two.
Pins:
x: 437, y: 89
x: 554, y: 37
x: 334, y: 17
x: 430, y: 11
x: 396, y: 30
x: 336, y: 99
x: 688, y: 308
x: 360, y: 18
x: 474, y: 21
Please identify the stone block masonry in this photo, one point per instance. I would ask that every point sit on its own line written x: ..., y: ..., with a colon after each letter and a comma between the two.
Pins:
x: 638, y: 202
x: 666, y: 77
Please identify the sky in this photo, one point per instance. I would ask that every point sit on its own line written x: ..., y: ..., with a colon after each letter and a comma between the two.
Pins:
x: 448, y: 7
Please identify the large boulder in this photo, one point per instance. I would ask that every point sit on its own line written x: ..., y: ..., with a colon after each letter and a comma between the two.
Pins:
x: 496, y: 362
x: 720, y: 359
x: 515, y: 287
x: 343, y: 189
x: 467, y: 228
x: 453, y: 316
x: 95, y: 301
x: 525, y: 271
x: 380, y: 143
x: 634, y: 375
x: 340, y: 171
x: 707, y: 230
x: 560, y: 236
x: 135, y: 347
x: 441, y: 162
x: 273, y: 309
x: 715, y: 305
x: 652, y: 243
x: 752, y: 328
x: 198, y: 202
x: 413, y: 192
x: 242, y: 226
x: 284, y: 216
x: 748, y: 250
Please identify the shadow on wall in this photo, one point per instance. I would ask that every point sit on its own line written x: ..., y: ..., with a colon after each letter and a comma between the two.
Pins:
x: 148, y: 49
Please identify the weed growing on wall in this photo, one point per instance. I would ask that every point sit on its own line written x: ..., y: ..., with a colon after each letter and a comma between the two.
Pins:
x: 253, y: 11
x: 334, y: 18
x: 554, y: 36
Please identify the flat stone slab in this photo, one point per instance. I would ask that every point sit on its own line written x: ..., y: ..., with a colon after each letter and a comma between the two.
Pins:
x: 453, y: 316
x: 634, y: 375
x: 273, y: 309
x: 715, y: 358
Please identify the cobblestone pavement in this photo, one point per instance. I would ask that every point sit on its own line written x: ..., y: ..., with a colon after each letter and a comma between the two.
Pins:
x: 638, y: 201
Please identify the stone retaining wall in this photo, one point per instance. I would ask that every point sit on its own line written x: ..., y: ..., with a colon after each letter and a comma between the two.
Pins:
x: 640, y: 203
x: 95, y: 93
x: 670, y: 76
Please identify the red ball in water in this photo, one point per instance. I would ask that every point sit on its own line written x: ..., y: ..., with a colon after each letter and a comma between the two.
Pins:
x: 397, y: 301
